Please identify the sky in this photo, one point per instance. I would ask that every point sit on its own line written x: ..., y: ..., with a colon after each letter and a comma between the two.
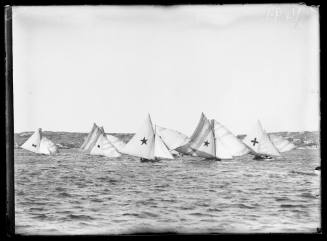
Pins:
x: 112, y: 65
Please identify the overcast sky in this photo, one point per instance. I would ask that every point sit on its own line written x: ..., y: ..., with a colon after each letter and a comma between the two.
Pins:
x: 114, y: 64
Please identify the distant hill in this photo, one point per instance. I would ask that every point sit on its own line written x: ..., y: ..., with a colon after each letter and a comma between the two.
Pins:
x: 75, y: 139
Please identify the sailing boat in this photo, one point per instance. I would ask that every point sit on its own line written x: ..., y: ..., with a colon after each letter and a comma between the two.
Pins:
x: 103, y: 147
x: 91, y: 138
x: 40, y: 144
x: 282, y: 144
x: 172, y: 138
x: 205, y: 143
x: 229, y: 141
x: 260, y: 144
x: 147, y: 144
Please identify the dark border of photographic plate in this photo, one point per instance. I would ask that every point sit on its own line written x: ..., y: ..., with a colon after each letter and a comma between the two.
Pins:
x: 7, y: 204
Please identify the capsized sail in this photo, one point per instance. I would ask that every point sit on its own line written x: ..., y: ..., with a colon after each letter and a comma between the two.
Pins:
x: 259, y: 142
x: 92, y: 138
x: 229, y: 141
x: 103, y: 147
x: 142, y: 143
x: 160, y: 149
x: 281, y: 143
x: 172, y: 138
x: 40, y: 144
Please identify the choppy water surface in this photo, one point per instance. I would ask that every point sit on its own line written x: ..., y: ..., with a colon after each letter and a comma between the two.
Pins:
x: 74, y: 193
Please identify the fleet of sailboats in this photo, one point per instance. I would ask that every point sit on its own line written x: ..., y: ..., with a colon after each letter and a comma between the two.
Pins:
x: 210, y: 140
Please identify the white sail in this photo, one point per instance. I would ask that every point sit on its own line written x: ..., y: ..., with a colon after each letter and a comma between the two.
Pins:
x: 206, y: 148
x: 103, y: 147
x: 92, y: 138
x: 202, y: 140
x: 259, y: 142
x: 47, y: 147
x: 230, y: 142
x: 33, y: 143
x: 172, y: 138
x: 222, y: 151
x: 142, y: 143
x: 160, y: 149
x: 87, y: 139
x: 281, y: 143
x: 40, y: 144
x: 116, y: 142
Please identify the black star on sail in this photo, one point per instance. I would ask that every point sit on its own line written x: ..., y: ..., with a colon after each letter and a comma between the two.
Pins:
x: 254, y: 141
x: 144, y: 141
x: 206, y: 143
x: 33, y: 145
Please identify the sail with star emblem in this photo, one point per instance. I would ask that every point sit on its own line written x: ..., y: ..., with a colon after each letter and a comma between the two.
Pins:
x: 229, y: 141
x: 259, y: 142
x: 172, y: 138
x: 142, y: 143
x: 202, y: 141
x: 103, y: 147
x: 281, y: 143
x: 40, y: 144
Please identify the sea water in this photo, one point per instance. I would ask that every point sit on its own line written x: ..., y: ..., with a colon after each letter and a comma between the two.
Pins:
x: 75, y: 193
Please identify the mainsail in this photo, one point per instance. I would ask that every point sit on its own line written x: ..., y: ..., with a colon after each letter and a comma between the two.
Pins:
x: 142, y: 143
x: 281, y: 143
x: 172, y: 138
x: 103, y: 147
x: 92, y: 138
x: 228, y: 140
x: 33, y: 143
x: 40, y: 144
x: 147, y: 144
x: 259, y: 142
x: 202, y: 141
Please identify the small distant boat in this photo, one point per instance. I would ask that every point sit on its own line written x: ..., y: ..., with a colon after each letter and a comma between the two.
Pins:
x: 282, y: 144
x: 147, y: 144
x: 38, y: 143
x: 260, y: 144
x: 103, y: 147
